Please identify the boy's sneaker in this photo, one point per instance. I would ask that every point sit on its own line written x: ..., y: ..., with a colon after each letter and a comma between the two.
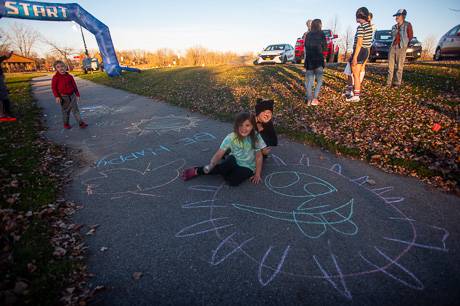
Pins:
x: 67, y: 126
x: 83, y: 125
x: 353, y: 99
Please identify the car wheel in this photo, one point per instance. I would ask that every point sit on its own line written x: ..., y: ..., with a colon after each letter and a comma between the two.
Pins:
x: 284, y: 61
x: 437, y: 55
x: 336, y: 57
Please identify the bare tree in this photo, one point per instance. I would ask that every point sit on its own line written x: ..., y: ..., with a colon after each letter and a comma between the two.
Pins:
x: 346, y: 42
x: 23, y: 38
x: 5, y: 43
x: 60, y: 52
x: 429, y: 45
x: 334, y: 24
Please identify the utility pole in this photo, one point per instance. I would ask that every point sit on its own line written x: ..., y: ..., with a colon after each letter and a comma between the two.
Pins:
x: 84, y: 41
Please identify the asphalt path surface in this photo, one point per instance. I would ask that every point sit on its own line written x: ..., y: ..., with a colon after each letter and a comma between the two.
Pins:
x: 319, y: 229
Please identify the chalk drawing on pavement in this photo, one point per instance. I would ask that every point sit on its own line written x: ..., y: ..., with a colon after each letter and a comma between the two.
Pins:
x: 163, y: 124
x: 97, y: 110
x: 121, y: 182
x: 312, y: 221
x: 108, y: 140
x: 117, y: 158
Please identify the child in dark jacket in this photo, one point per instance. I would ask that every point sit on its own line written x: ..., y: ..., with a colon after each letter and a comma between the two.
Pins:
x: 315, y: 45
x: 264, y: 122
x: 65, y: 91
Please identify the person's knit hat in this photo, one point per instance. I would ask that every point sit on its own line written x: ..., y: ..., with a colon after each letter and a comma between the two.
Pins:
x: 263, y: 105
x: 400, y: 12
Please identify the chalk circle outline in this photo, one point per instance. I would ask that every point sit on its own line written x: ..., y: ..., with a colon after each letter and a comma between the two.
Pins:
x: 260, y: 263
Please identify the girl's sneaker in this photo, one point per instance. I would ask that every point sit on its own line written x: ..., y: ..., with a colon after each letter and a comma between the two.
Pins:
x: 353, y: 99
x: 67, y: 126
x: 189, y: 173
x: 315, y: 102
x: 83, y: 125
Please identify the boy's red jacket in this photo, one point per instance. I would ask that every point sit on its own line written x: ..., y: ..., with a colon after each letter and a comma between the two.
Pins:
x: 64, y: 85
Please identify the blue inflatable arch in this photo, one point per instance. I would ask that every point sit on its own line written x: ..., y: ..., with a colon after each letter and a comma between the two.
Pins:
x: 68, y: 12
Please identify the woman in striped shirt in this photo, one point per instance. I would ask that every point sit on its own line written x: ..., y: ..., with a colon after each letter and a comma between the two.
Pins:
x: 361, y: 47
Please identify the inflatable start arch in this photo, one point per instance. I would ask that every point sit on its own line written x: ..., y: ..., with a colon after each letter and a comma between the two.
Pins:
x: 68, y: 12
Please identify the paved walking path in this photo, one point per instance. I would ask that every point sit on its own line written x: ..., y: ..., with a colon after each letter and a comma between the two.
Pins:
x: 320, y: 230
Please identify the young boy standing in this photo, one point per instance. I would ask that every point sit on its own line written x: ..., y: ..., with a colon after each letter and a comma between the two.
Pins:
x: 361, y: 47
x: 66, y: 93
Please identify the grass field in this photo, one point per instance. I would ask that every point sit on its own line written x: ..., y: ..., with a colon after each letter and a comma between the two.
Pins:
x: 30, y: 270
x: 390, y: 128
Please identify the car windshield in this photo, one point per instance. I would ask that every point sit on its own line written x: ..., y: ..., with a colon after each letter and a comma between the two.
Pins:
x: 414, y: 40
x: 275, y: 48
x: 327, y: 33
x: 383, y: 35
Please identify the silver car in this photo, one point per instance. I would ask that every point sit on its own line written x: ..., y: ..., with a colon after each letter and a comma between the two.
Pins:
x: 278, y: 54
x: 449, y: 45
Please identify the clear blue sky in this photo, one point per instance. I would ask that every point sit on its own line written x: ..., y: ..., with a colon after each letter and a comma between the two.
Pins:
x: 237, y: 25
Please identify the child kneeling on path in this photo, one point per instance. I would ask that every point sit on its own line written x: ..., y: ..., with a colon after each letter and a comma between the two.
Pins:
x: 361, y: 48
x: 66, y: 93
x: 245, y: 159
x: 264, y: 123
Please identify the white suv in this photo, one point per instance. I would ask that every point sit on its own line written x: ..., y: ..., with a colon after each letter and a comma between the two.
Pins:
x: 278, y: 54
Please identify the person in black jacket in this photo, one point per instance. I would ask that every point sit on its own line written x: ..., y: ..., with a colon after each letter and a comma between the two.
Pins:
x: 264, y: 121
x: 315, y: 45
x: 5, y: 107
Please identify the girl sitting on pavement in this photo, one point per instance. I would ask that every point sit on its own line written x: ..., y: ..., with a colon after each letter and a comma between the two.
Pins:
x: 245, y: 159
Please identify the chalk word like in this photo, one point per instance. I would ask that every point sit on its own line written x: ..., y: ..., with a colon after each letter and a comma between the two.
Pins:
x: 158, y: 150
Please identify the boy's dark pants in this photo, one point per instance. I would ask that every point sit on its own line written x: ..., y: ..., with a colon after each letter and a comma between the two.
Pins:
x: 232, y: 173
x: 5, y: 108
x: 69, y: 104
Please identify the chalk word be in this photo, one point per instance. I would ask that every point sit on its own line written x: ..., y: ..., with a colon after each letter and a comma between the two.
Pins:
x: 160, y: 149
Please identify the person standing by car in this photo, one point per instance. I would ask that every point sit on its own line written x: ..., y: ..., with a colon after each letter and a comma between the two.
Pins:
x: 315, y: 44
x: 402, y: 33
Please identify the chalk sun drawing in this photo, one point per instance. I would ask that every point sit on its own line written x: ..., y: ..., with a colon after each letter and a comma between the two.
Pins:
x: 121, y: 182
x: 164, y: 124
x: 312, y: 221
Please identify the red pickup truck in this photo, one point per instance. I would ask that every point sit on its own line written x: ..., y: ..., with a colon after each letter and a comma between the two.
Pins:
x: 331, y: 54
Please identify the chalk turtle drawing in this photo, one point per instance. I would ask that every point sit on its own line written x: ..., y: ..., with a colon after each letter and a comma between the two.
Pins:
x: 164, y: 124
x: 121, y: 182
x: 313, y: 222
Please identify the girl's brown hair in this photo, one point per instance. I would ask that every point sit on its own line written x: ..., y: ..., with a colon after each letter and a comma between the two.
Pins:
x: 316, y: 25
x: 239, y: 120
